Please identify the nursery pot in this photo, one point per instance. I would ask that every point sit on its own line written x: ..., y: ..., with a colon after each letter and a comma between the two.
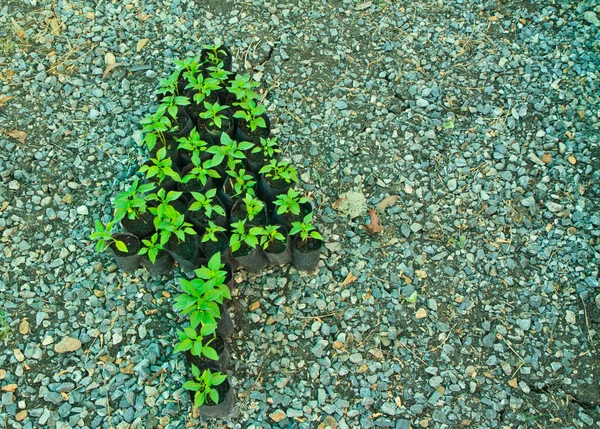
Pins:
x: 203, y: 362
x: 238, y: 212
x: 194, y: 109
x: 279, y: 253
x: 305, y: 254
x: 185, y: 124
x: 227, y: 127
x: 226, y: 400
x: 141, y: 227
x: 225, y: 323
x: 244, y: 134
x: 254, y: 161
x: 161, y: 266
x: 186, y: 253
x: 126, y: 261
x: 251, y: 259
x: 268, y: 189
x: 185, y: 157
x: 211, y: 247
x: 286, y: 219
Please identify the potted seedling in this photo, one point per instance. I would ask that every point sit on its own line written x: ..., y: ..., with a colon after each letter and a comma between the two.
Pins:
x: 275, y: 242
x: 214, y: 55
x: 155, y: 126
x: 253, y: 122
x: 250, y: 208
x: 211, y: 392
x: 198, y: 177
x: 218, y: 274
x: 171, y: 85
x: 201, y: 89
x: 266, y: 150
x: 215, y: 121
x: 306, y: 244
x: 131, y: 209
x: 173, y: 106
x: 160, y: 168
x: 242, y: 87
x: 122, y: 246
x: 244, y: 246
x: 214, y: 240
x: 276, y: 178
x: 290, y: 207
x: 180, y: 238
x: 193, y: 148
x: 188, y: 69
x: 238, y: 183
x: 155, y: 257
x: 206, y: 207
x: 230, y: 151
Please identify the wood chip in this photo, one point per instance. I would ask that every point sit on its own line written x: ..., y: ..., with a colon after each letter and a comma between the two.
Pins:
x: 349, y: 279
x: 254, y: 306
x: 166, y: 294
x: 127, y: 369
x: 140, y: 44
x: 421, y: 313
x: 387, y: 202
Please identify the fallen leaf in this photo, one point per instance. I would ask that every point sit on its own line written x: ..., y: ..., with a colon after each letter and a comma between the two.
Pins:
x: 254, y: 305
x: 336, y: 204
x: 55, y: 26
x: 407, y: 279
x: 513, y: 383
x: 572, y: 160
x: 65, y: 395
x: 108, y: 69
x: 10, y: 387
x: 421, y: 313
x: 24, y: 327
x: 338, y: 345
x: 523, y: 21
x: 493, y: 18
x: 128, y: 369
x: 386, y: 202
x: 378, y: 354
x: 547, y: 158
x: 373, y: 227
x: 363, y: 368
x: 548, y: 227
x: 4, y: 99
x: 140, y: 44
x: 16, y: 134
x: 17, y: 29
x: 349, y: 279
x: 143, y: 17
x: 90, y: 15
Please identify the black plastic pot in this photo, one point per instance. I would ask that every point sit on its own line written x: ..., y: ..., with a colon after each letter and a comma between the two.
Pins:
x: 238, y: 212
x: 254, y: 161
x: 161, y: 266
x: 126, y: 261
x: 194, y: 109
x: 243, y: 134
x: 185, y: 253
x: 279, y: 253
x: 225, y: 323
x: 185, y: 126
x: 251, y: 260
x: 286, y: 219
x: 211, y: 247
x: 227, y: 60
x: 268, y: 190
x: 225, y: 193
x: 305, y: 254
x: 202, y: 362
x: 226, y: 403
x: 227, y: 127
x: 141, y: 227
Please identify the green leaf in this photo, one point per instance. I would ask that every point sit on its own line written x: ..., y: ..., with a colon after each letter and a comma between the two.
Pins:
x: 195, y: 371
x: 121, y: 246
x: 183, y: 346
x: 413, y: 297
x: 210, y: 353
x: 214, y: 395
x: 191, y: 385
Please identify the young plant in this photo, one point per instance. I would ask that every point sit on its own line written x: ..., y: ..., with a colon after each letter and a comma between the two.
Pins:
x: 229, y: 150
x: 290, y: 202
x: 103, y: 234
x: 189, y: 68
x: 4, y: 328
x: 211, y: 232
x: 163, y: 209
x: 171, y: 104
x: 214, y: 54
x: 213, y: 114
x: 241, y: 236
x: 132, y: 202
x: 203, y: 87
x: 280, y: 170
x: 213, y: 275
x: 269, y: 147
x: 152, y: 247
x: 242, y: 87
x: 193, y: 144
x: 251, y: 113
x: 161, y: 167
x: 174, y: 224
x: 254, y: 206
x: 201, y: 173
x: 196, y: 344
x: 203, y: 384
x: 204, y: 202
x: 219, y: 74
x: 200, y: 300
x: 155, y: 126
x: 306, y: 229
x: 270, y: 235
x: 169, y: 86
x: 241, y: 183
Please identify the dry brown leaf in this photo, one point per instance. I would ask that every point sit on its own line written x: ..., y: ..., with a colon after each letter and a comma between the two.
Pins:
x: 24, y: 327
x: 254, y: 305
x: 336, y: 204
x: 373, y: 227
x: 128, y: 369
x: 10, y: 387
x: 109, y: 67
x: 338, y: 345
x: 513, y: 383
x: 547, y: 158
x: 386, y: 202
x: 140, y: 44
x: 143, y: 17
x: 4, y: 99
x: 16, y: 134
x: 55, y: 25
x: 421, y: 313
x: 349, y: 279
x: 166, y: 294
x: 378, y: 354
x: 65, y: 395
x: 90, y: 15
x: 407, y: 279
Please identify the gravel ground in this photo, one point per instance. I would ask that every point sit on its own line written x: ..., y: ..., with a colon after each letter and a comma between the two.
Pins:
x: 477, y: 305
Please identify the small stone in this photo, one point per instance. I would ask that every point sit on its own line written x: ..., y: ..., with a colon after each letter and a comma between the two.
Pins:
x: 591, y: 18
x: 319, y: 347
x: 341, y: 105
x: 436, y: 381
x: 82, y: 210
x: 47, y: 340
x: 421, y: 313
x: 554, y: 207
x: 570, y: 317
x: 54, y: 397
x: 21, y: 415
x: 2, y: 374
x: 19, y: 355
x: 422, y: 103
x: 67, y: 345
x: 452, y: 185
x: 430, y: 134
x: 277, y: 416
x: 14, y: 185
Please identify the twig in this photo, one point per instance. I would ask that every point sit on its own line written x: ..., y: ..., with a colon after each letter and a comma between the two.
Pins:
x: 445, y: 339
x: 587, y: 324
x: 155, y: 376
x: 413, y: 353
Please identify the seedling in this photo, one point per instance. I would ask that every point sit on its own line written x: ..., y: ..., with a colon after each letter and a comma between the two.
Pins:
x: 254, y: 206
x: 160, y: 167
x: 201, y: 173
x: 251, y: 113
x: 242, y: 87
x: 203, y: 87
x: 241, y: 183
x: 219, y: 74
x: 132, y: 202
x: 280, y: 170
x: 211, y: 232
x: 204, y: 202
x: 163, y: 208
x: 271, y: 234
x: 229, y: 150
x: 189, y: 66
x: 155, y: 126
x: 290, y: 202
x: 169, y: 86
x: 213, y: 114
x: 190, y: 340
x: 102, y: 233
x: 171, y: 104
x: 194, y: 145
x: 214, y: 54
x: 306, y: 229
x: 152, y: 247
x: 203, y: 384
x: 212, y: 274
x: 174, y: 224
x: 240, y: 235
x: 268, y: 146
